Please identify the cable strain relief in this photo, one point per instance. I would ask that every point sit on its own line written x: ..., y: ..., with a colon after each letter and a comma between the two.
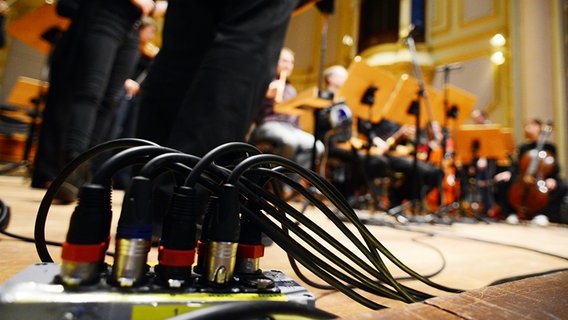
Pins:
x: 250, y: 233
x: 179, y: 230
x: 92, y: 217
x: 136, y: 206
x: 94, y: 196
x: 225, y: 223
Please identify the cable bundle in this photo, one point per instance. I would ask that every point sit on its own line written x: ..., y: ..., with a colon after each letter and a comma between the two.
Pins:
x: 240, y: 208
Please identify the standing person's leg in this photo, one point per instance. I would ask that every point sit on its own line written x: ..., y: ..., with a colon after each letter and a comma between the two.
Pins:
x: 48, y: 160
x: 231, y: 80
x: 188, y: 32
x: 125, y: 60
x: 94, y: 66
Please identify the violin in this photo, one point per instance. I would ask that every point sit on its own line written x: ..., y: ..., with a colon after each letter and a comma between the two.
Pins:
x: 449, y: 192
x: 529, y: 194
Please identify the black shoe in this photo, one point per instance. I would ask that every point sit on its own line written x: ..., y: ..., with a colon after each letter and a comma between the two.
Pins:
x: 66, y: 194
x: 40, y: 184
x: 69, y: 190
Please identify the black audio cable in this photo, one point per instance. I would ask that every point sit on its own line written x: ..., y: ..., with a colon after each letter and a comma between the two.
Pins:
x: 250, y: 248
x: 176, y: 252
x: 306, y: 258
x: 223, y: 236
x: 154, y: 165
x: 302, y: 254
x: 315, y: 201
x: 202, y: 244
x: 327, y: 190
x: 136, y: 155
x: 133, y: 234
x: 88, y: 236
x: 376, y: 247
x: 383, y: 250
x: 361, y: 281
x: 89, y: 229
x: 216, y: 154
x: 41, y: 217
x: 236, y: 175
x: 224, y: 221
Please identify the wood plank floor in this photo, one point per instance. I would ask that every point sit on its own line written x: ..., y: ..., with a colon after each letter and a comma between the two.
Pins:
x: 469, y: 256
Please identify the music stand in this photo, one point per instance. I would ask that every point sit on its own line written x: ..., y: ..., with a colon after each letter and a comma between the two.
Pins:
x: 509, y: 140
x: 30, y: 29
x: 361, y: 77
x: 35, y: 29
x: 403, y: 96
x: 481, y: 141
x: 304, y: 105
x: 456, y: 97
x: 473, y: 142
x: 28, y: 93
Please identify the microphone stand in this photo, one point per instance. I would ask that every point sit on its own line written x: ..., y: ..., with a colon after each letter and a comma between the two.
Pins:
x: 325, y: 10
x: 416, y: 201
x: 449, y: 113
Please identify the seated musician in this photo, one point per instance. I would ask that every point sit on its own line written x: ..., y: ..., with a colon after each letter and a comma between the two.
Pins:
x: 386, y: 151
x: 282, y: 132
x: 506, y: 181
x: 476, y: 175
x: 383, y: 150
x: 334, y: 77
x: 396, y: 144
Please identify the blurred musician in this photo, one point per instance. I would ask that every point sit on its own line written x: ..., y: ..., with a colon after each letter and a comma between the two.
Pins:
x: 506, y: 180
x: 282, y: 132
x: 334, y: 78
x: 395, y: 142
x: 376, y: 153
x: 476, y: 184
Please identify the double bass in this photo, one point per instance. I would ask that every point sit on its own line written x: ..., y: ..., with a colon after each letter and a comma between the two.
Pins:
x: 528, y: 194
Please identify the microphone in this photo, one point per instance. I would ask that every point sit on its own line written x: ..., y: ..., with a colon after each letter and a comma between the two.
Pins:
x: 450, y: 67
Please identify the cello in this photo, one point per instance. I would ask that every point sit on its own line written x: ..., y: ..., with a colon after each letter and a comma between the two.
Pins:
x: 529, y: 194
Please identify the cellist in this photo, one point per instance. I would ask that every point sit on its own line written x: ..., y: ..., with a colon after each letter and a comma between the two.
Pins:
x: 556, y: 188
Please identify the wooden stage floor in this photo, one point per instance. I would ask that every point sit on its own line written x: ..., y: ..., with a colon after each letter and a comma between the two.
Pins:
x: 469, y: 256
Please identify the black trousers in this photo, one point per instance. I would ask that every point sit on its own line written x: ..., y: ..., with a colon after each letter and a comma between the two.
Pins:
x: 87, y: 71
x: 207, y: 81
